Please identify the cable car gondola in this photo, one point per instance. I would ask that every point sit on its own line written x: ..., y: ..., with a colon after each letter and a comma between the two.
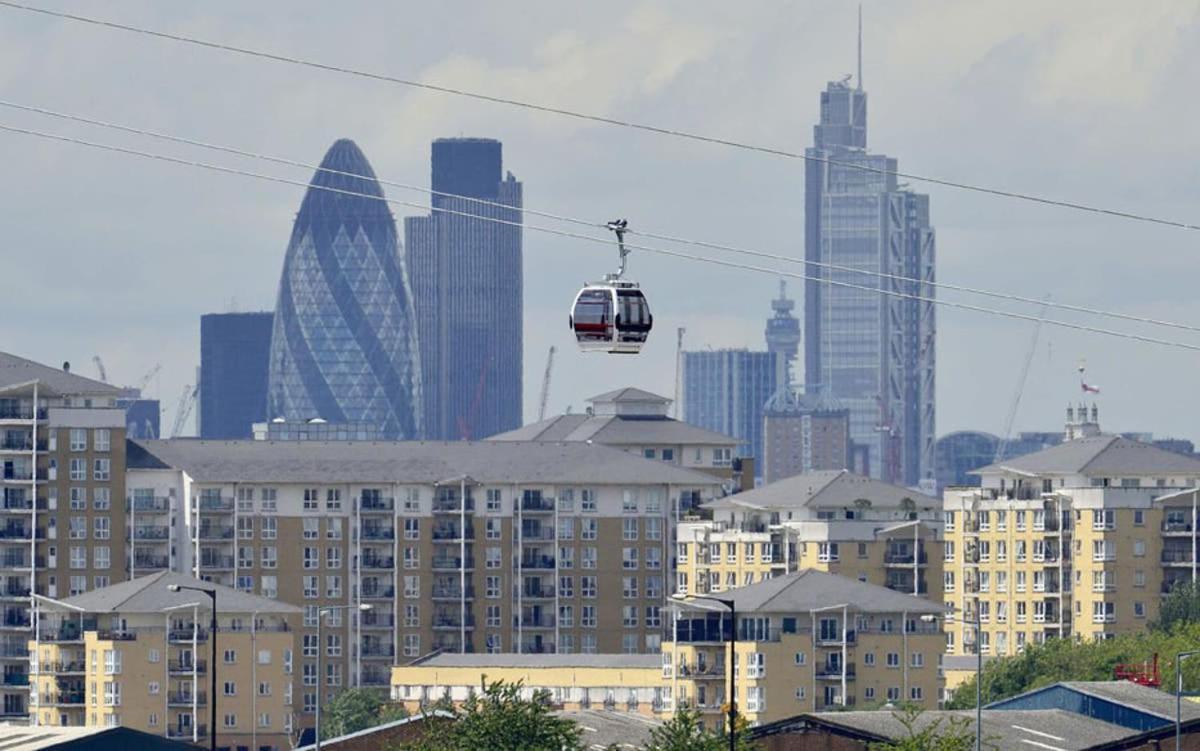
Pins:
x: 613, y: 315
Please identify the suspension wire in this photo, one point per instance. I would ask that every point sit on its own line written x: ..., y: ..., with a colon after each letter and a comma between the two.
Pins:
x: 601, y: 225
x: 588, y: 238
x: 602, y: 119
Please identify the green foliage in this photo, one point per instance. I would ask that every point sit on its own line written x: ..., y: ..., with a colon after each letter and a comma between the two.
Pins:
x: 942, y: 734
x: 501, y: 719
x: 357, y: 709
x: 685, y: 732
x: 1179, y: 608
x: 1064, y: 660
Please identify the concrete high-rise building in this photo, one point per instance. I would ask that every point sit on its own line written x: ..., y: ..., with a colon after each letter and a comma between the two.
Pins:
x: 872, y: 352
x: 63, y: 525
x: 725, y: 390
x: 806, y: 437
x: 234, y: 351
x: 467, y: 283
x: 344, y: 340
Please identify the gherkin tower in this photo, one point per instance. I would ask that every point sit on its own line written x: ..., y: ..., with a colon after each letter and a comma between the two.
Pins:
x: 344, y: 344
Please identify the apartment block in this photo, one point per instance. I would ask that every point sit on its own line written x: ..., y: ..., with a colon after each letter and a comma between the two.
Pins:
x: 576, y: 682
x: 636, y: 421
x: 832, y: 521
x: 62, y: 521
x: 484, y: 547
x: 138, y: 655
x: 806, y: 641
x: 1081, y: 540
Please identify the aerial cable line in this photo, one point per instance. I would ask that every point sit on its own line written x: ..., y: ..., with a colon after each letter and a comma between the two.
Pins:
x: 602, y: 119
x: 601, y: 225
x: 589, y: 238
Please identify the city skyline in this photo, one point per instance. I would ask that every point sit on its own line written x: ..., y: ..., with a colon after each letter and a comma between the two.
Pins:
x: 996, y: 92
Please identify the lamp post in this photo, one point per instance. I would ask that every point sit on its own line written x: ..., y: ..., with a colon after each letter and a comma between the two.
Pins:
x: 321, y: 611
x: 732, y: 657
x: 1179, y: 658
x: 978, y: 624
x: 212, y: 659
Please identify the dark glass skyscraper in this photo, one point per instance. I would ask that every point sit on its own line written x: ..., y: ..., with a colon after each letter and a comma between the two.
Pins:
x: 724, y: 390
x: 467, y: 288
x: 872, y: 353
x: 234, y: 349
x: 344, y: 343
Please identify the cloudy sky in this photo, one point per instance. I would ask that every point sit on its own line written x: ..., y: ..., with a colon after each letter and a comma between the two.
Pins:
x: 1088, y: 101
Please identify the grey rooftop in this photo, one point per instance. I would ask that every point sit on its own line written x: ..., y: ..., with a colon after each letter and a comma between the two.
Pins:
x: 1098, y: 456
x: 827, y: 489
x: 149, y: 594
x: 17, y: 371
x: 514, y: 660
x: 420, y: 462
x: 808, y: 589
x: 617, y: 430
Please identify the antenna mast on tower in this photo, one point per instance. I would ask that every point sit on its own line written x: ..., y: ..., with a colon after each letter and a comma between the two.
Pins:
x: 860, y: 47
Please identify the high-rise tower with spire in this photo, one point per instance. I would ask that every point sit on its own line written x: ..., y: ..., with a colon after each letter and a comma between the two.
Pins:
x: 873, y: 353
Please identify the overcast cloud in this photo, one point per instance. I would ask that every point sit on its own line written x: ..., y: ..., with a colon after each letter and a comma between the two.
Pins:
x: 1089, y: 101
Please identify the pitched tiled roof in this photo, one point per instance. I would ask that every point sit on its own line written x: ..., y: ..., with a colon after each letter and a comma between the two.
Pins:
x: 149, y: 594
x: 808, y: 589
x: 17, y: 370
x: 1098, y: 456
x: 828, y: 489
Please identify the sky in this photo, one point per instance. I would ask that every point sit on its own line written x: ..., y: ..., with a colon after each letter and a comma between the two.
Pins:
x: 1087, y: 101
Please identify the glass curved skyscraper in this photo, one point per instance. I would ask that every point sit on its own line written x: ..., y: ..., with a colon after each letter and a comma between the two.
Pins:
x: 344, y: 344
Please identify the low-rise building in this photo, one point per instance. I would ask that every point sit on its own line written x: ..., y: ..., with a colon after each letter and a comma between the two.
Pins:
x: 833, y: 521
x: 806, y: 641
x: 576, y: 682
x: 137, y: 655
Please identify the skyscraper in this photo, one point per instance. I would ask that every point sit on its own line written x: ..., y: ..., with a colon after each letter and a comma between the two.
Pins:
x: 724, y: 390
x: 234, y: 352
x: 344, y: 342
x: 467, y: 284
x: 873, y: 353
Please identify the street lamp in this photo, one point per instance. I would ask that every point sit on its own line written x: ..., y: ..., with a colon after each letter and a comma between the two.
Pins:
x: 732, y: 657
x: 212, y: 659
x: 321, y: 611
x: 1179, y: 658
x: 978, y: 624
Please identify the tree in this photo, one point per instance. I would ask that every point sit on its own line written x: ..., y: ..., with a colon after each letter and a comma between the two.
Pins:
x: 941, y: 734
x: 357, y: 709
x: 1180, y: 607
x: 685, y: 732
x: 503, y: 720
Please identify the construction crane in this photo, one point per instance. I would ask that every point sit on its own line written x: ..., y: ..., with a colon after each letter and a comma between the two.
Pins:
x: 142, y: 384
x: 100, y: 368
x: 546, y: 385
x: 1002, y: 445
x: 187, y: 401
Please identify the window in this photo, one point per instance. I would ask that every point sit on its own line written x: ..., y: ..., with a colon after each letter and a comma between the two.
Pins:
x: 587, y: 500
x: 653, y: 558
x: 412, y: 499
x: 312, y: 527
x: 312, y: 557
x: 1139, y: 518
x: 267, y: 529
x: 311, y: 588
x: 412, y: 529
x: 78, y: 469
x: 492, y: 527
x: 230, y: 688
x: 230, y: 656
x: 492, y: 587
x: 492, y: 558
x: 566, y: 586
x: 78, y: 528
x: 112, y: 661
x: 915, y: 693
x: 101, y: 470
x: 78, y: 439
x: 587, y: 529
x: 333, y: 499
x: 653, y: 616
x: 269, y: 496
x: 893, y: 659
x: 270, y: 586
x: 112, y: 694
x: 1139, y: 548
x: 412, y: 586
x: 629, y: 529
x: 917, y: 660
x: 566, y: 557
x: 629, y: 501
x: 333, y: 558
x: 101, y: 557
x: 629, y: 558
x: 587, y: 617
x: 102, y: 499
x: 333, y: 528
x: 587, y: 587
x: 493, y: 500
x: 654, y: 528
x: 230, y: 720
x: 270, y: 557
x: 629, y: 587
x: 649, y: 453
x: 589, y: 558
x: 312, y: 499
x: 1139, y: 610
x: 629, y: 616
x: 245, y: 528
x: 827, y: 552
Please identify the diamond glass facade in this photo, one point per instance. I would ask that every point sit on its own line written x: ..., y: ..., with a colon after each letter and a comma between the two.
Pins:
x: 344, y: 344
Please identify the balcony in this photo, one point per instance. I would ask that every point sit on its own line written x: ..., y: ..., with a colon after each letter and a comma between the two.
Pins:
x: 378, y: 650
x: 15, y: 679
x: 184, y: 635
x: 904, y: 559
x: 14, y: 590
x: 16, y: 619
x: 452, y: 506
x: 533, y: 621
x: 63, y: 699
x: 377, y: 562
x: 371, y: 504
x: 216, y: 562
x: 215, y: 504
x: 185, y: 733
x: 66, y: 668
x: 186, y: 666
x: 184, y: 698
x: 153, y: 532
x: 539, y: 534
x: 538, y: 562
x: 537, y: 505
x: 452, y: 563
x: 372, y: 619
x: 834, y: 672
x: 378, y: 592
x: 835, y: 637
x: 215, y: 532
x: 1176, y: 557
x: 379, y: 533
x: 19, y: 533
x: 702, y: 672
x: 70, y: 631
x: 150, y: 505
x: 447, y: 620
x: 444, y: 532
x: 144, y: 562
x: 453, y: 592
x: 380, y: 678
x: 546, y: 592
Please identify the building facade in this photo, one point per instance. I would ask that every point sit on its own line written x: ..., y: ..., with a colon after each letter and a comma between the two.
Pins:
x: 62, y: 485
x: 465, y: 265
x: 836, y: 522
x: 235, y: 350
x: 725, y: 391
x: 344, y: 336
x: 137, y: 655
x: 1080, y: 540
x: 459, y: 547
x: 872, y: 351
x: 806, y: 641
x: 807, y: 436
x: 636, y: 421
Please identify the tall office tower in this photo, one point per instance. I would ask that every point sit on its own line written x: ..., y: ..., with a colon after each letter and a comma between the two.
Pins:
x: 62, y: 501
x: 344, y: 343
x: 807, y: 436
x: 234, y: 351
x: 874, y: 353
x: 467, y: 283
x: 725, y: 390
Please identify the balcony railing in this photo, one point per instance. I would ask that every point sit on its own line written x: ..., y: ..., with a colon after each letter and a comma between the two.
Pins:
x: 904, y: 558
x: 452, y: 505
x: 15, y: 679
x: 185, y: 666
x: 65, y: 698
x: 1177, y: 556
x: 537, y: 505
x: 533, y: 621
x: 379, y: 593
x: 448, y: 532
x: 216, y: 561
x: 151, y: 505
x: 378, y: 650
x: 453, y: 592
x: 184, y: 698
x: 446, y: 620
x: 835, y: 671
x: 376, y: 504
x: 377, y: 562
x: 215, y: 532
x: 377, y: 620
x: 151, y: 532
x: 547, y: 592
x: 835, y: 637
x: 153, y: 561
x: 186, y: 732
x: 379, y: 533
x: 216, y: 504
x: 452, y: 563
x: 539, y: 562
x: 185, y: 634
